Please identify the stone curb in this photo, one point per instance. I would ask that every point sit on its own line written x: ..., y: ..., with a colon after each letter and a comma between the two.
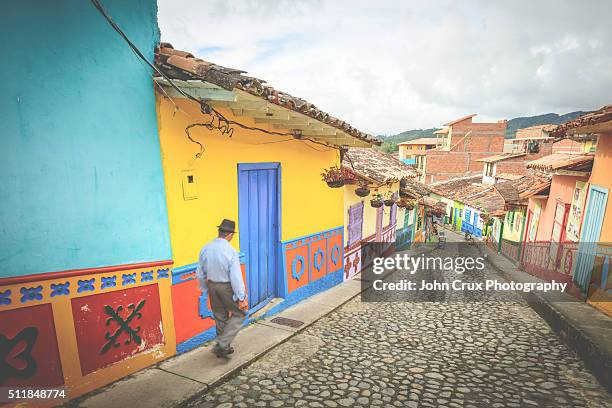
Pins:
x: 594, y: 355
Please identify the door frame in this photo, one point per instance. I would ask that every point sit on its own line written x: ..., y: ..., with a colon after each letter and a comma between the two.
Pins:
x: 582, y: 275
x: 277, y: 242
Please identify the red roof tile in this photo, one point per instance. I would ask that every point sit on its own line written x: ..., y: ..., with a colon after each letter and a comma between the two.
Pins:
x: 375, y: 165
x: 565, y: 161
x: 599, y: 116
x: 183, y: 65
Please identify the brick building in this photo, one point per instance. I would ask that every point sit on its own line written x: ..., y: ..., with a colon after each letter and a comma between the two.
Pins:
x: 463, y: 142
x: 529, y: 146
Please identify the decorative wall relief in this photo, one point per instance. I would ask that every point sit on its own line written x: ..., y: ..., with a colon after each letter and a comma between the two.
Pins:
x: 29, y: 354
x: 112, y: 326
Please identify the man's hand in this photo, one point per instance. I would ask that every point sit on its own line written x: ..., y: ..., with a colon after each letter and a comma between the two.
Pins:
x: 244, y: 304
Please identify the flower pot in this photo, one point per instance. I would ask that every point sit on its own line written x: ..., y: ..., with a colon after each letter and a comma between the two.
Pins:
x: 376, y: 203
x: 335, y: 183
x: 389, y: 202
x: 362, y: 191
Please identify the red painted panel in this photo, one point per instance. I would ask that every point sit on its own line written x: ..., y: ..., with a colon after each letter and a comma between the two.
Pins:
x: 29, y: 355
x: 333, y: 242
x: 115, y: 325
x: 301, y: 265
x: 318, y: 258
x: 186, y: 304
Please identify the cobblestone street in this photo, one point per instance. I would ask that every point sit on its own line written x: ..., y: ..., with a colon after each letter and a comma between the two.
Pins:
x: 481, y: 353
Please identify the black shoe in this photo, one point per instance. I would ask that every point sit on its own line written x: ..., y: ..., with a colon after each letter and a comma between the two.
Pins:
x: 221, y: 352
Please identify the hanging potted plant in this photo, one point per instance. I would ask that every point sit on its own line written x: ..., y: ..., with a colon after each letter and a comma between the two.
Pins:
x: 409, y: 204
x: 389, y: 201
x: 377, y: 200
x: 334, y: 177
x: 362, y: 190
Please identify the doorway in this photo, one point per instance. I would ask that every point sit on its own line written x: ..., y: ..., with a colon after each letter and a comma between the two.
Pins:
x: 259, y: 227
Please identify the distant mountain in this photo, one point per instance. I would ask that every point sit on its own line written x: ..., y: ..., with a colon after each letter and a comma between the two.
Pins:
x: 547, y: 118
x: 390, y: 141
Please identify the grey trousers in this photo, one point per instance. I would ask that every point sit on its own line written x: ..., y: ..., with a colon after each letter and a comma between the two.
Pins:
x: 228, y: 316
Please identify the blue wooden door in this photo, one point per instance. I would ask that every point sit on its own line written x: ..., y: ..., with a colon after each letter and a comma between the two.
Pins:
x: 589, y: 236
x: 259, y: 226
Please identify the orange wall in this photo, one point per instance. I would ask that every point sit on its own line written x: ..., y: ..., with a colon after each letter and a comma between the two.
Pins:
x: 562, y: 188
x: 600, y: 176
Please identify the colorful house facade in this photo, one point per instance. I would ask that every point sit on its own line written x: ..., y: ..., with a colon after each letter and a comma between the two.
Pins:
x: 409, y: 149
x: 462, y: 198
x: 590, y: 269
x: 265, y: 173
x: 563, y: 211
x: 85, y: 288
x: 367, y: 219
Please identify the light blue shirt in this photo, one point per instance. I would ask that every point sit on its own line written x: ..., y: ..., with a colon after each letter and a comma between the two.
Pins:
x: 219, y: 262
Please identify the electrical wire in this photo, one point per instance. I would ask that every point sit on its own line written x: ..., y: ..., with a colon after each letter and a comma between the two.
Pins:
x: 217, y: 120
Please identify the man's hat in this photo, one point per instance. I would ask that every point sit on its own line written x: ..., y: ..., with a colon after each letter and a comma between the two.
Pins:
x: 227, y: 225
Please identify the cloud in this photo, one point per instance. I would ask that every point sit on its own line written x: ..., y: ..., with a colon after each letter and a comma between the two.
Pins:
x: 388, y: 66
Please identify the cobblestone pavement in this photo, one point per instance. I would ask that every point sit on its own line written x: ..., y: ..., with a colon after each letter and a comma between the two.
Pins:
x: 480, y: 353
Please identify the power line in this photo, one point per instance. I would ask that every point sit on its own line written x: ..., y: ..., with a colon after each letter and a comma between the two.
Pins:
x: 218, y: 121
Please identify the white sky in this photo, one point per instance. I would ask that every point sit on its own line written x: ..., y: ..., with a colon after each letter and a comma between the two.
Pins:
x: 390, y: 66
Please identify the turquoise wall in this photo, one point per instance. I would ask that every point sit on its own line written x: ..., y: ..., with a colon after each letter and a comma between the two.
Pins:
x: 82, y: 184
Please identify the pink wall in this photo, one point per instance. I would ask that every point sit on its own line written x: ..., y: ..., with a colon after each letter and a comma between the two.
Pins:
x: 562, y: 188
x: 600, y: 176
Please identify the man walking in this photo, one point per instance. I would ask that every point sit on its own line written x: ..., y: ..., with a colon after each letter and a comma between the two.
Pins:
x: 220, y: 275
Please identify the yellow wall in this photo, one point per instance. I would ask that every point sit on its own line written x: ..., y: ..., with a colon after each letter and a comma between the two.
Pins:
x: 369, y: 212
x: 514, y: 233
x: 308, y: 204
x: 408, y: 151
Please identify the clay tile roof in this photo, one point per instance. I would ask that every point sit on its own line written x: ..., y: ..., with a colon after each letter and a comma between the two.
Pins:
x: 460, y: 188
x: 184, y: 66
x: 500, y: 157
x: 470, y: 191
x: 508, y: 191
x: 490, y: 201
x: 421, y: 140
x: 532, y: 184
x: 508, y: 176
x: 557, y: 161
x: 599, y: 116
x: 517, y: 191
x: 414, y: 188
x: 375, y: 165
